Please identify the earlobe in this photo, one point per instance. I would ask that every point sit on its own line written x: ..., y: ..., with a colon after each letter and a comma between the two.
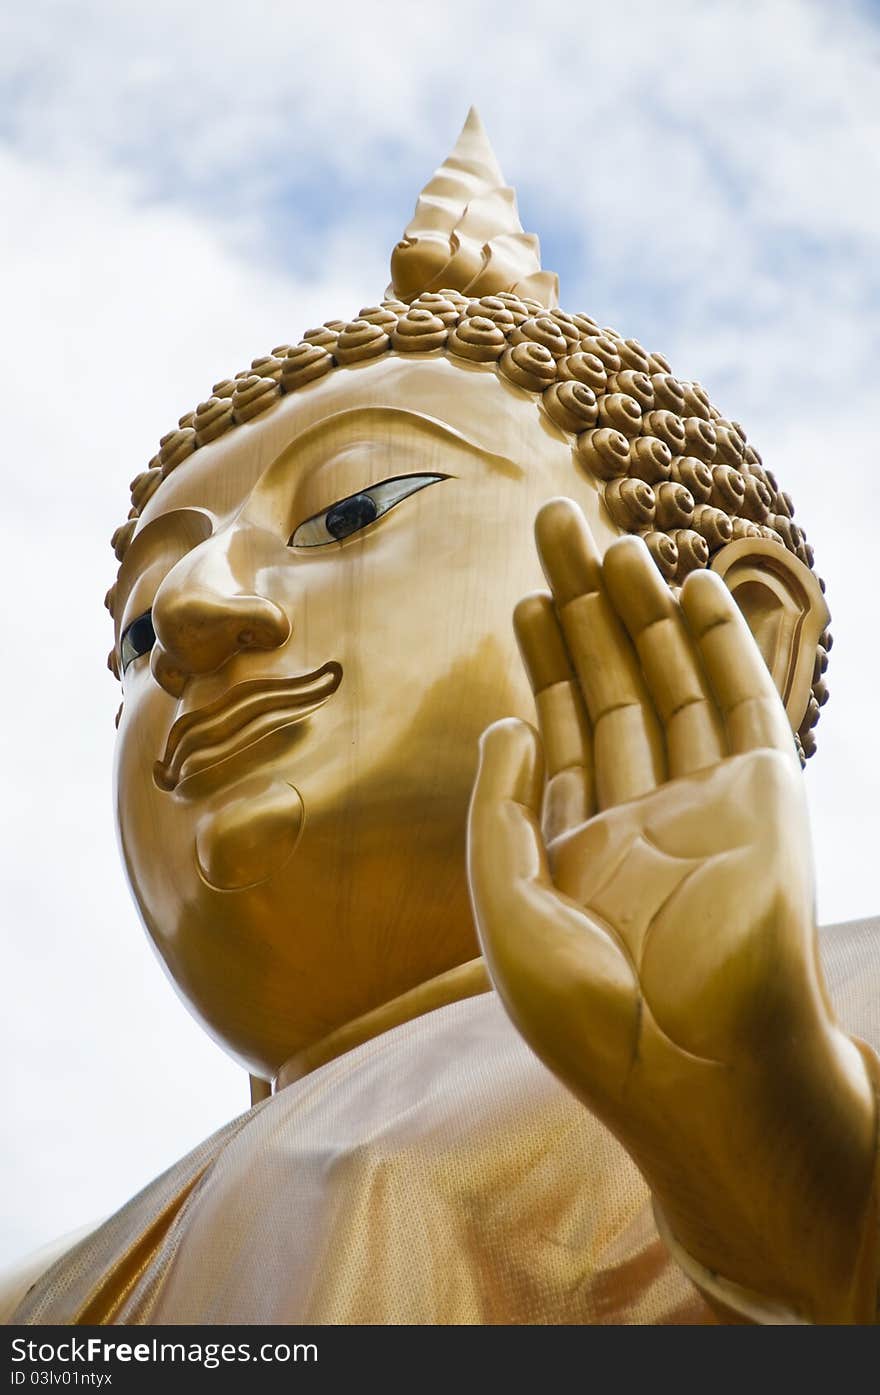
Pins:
x: 786, y: 612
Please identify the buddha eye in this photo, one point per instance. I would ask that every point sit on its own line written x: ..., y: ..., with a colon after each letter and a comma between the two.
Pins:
x: 138, y: 638
x: 349, y: 515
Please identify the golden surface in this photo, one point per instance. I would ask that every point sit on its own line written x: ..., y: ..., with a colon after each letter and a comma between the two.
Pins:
x: 313, y: 615
x: 436, y: 1172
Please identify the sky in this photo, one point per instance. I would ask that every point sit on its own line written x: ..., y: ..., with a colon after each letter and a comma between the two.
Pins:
x: 185, y: 185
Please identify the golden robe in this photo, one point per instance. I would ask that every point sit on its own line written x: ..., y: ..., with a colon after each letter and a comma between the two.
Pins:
x: 437, y: 1173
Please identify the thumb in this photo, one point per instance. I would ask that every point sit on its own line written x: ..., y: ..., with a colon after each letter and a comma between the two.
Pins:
x: 511, y: 767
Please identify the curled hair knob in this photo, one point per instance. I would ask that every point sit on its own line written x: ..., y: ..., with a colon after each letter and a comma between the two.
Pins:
x: 602, y: 348
x: 675, y: 505
x: 695, y: 475
x: 700, y: 439
x: 714, y: 525
x: 728, y: 488
x: 584, y: 368
x: 631, y: 503
x: 667, y: 427
x: 729, y: 446
x: 668, y: 393
x: 756, y: 499
x: 621, y: 412
x: 571, y: 405
x: 604, y: 452
x: 650, y: 459
x: 634, y: 384
x: 693, y: 552
x: 664, y: 552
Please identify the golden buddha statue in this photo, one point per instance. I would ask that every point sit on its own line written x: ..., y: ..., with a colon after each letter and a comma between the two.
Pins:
x: 636, y: 1104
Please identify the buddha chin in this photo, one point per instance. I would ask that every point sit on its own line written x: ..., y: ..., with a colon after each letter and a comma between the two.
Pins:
x: 311, y: 879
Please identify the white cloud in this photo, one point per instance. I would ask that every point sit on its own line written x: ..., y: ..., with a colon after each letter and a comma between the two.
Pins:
x: 191, y: 185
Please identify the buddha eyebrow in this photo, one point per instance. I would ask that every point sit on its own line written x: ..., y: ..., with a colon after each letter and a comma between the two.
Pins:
x: 423, y: 423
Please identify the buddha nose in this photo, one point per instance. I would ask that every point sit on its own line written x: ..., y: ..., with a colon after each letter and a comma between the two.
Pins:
x: 209, y: 608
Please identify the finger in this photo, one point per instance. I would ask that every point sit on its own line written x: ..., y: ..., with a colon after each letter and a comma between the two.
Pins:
x: 744, y: 690
x: 569, y: 795
x: 504, y: 807
x: 563, y: 978
x: 669, y: 657
x: 627, y: 740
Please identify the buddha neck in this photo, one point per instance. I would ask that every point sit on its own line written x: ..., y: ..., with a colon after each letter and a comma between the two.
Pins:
x: 464, y: 981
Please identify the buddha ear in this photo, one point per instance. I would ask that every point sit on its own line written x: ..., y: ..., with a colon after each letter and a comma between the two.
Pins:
x: 785, y: 609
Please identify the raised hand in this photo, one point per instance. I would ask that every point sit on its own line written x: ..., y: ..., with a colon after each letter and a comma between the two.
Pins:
x: 642, y: 883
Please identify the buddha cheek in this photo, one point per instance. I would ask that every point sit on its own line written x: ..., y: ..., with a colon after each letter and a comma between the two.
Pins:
x: 150, y: 840
x: 156, y: 832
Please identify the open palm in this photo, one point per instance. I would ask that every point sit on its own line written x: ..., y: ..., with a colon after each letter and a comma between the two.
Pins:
x: 642, y: 883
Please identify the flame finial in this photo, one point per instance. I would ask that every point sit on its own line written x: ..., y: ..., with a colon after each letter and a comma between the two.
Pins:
x: 465, y: 234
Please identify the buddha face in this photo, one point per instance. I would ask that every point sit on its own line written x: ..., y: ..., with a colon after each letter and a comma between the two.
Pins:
x: 315, y: 624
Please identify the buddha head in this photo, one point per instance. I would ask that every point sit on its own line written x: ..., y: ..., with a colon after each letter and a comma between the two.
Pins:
x: 313, y: 610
